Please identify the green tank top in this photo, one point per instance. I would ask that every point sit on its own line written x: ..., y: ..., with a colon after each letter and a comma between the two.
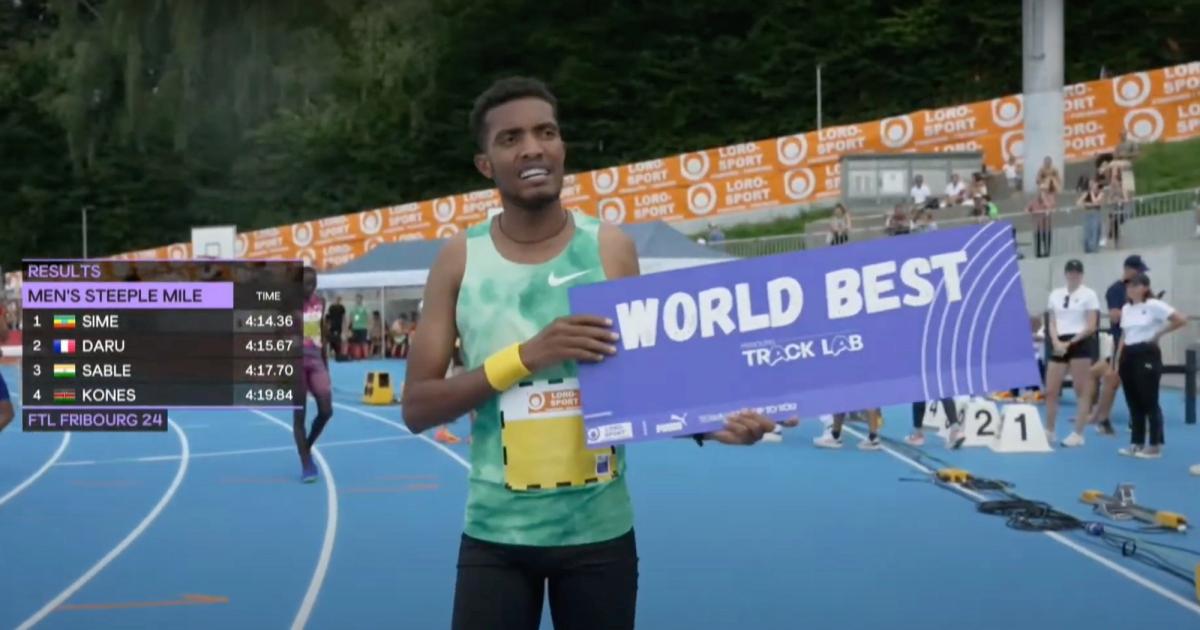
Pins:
x: 500, y: 303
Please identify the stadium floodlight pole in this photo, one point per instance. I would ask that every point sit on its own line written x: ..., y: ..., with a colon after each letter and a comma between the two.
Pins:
x: 1042, y: 78
x: 85, y: 209
x: 818, y: 96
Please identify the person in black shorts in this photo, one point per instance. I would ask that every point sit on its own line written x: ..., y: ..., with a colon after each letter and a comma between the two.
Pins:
x: 1073, y: 322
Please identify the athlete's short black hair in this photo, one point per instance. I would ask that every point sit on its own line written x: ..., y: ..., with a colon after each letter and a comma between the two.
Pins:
x: 503, y: 91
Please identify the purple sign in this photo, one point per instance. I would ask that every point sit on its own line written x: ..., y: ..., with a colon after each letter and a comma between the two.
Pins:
x: 838, y: 329
x: 127, y: 295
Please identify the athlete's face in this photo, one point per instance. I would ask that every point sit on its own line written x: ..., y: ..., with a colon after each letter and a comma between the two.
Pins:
x: 524, y: 153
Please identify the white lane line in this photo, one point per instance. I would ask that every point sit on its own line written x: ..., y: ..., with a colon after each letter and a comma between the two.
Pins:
x: 62, y: 448
x: 124, y: 544
x: 1059, y: 538
x: 245, y: 451
x: 400, y: 425
x: 331, y: 521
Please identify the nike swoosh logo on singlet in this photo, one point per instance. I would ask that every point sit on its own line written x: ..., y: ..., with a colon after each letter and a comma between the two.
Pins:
x: 555, y: 281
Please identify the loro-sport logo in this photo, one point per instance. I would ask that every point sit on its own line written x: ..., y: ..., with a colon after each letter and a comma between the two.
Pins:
x: 554, y: 400
x: 773, y: 353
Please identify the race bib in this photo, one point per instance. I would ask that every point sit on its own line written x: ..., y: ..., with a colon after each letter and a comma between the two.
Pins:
x: 541, y: 430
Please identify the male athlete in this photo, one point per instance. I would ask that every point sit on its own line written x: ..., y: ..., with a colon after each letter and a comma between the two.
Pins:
x: 542, y: 508
x: 316, y: 377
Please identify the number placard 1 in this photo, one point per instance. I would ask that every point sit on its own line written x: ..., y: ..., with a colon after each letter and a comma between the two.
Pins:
x: 1021, y: 431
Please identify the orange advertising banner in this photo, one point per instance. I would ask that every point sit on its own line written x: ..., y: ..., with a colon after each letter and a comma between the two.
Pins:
x: 1160, y: 105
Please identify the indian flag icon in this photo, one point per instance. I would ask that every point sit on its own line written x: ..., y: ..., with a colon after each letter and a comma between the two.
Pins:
x: 64, y: 370
x: 64, y: 322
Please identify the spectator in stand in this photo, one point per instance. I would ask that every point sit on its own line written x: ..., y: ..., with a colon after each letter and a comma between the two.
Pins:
x: 337, y: 323
x: 840, y: 225
x: 979, y: 186
x: 956, y: 191
x: 925, y: 222
x: 1198, y: 213
x: 1041, y: 207
x: 898, y: 222
x: 715, y: 235
x: 920, y: 192
x: 1048, y: 178
x: 1012, y: 173
x: 1092, y: 203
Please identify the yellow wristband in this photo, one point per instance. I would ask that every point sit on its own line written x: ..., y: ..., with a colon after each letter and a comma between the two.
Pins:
x: 505, y: 369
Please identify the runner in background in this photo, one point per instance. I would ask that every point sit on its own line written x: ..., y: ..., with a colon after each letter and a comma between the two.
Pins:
x: 337, y: 323
x: 316, y: 377
x: 359, y: 323
x: 6, y: 405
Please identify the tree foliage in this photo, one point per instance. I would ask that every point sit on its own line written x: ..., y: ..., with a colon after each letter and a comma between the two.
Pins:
x: 163, y: 114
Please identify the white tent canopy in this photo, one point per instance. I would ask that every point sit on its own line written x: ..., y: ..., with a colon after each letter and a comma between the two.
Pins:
x: 406, y: 264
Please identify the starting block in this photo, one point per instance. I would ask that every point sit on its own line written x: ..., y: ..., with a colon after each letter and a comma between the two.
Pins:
x: 378, y: 389
x: 1121, y: 506
x: 1021, y: 431
x: 981, y: 422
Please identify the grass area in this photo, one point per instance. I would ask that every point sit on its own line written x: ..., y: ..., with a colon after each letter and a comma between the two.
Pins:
x: 1168, y: 166
x: 777, y: 227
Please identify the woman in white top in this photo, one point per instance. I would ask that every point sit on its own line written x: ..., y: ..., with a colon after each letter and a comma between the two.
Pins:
x: 1074, y: 320
x: 1144, y: 320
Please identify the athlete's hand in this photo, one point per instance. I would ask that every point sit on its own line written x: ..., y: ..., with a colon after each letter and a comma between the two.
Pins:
x: 570, y: 338
x: 743, y: 428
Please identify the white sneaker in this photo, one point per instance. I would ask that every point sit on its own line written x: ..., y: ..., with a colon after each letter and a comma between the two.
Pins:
x: 1152, y: 452
x: 870, y: 445
x: 1074, y: 439
x: 1130, y: 451
x: 773, y: 437
x: 827, y: 441
x: 918, y: 439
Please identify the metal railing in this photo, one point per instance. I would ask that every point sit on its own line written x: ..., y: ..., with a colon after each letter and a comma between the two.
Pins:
x: 1142, y: 221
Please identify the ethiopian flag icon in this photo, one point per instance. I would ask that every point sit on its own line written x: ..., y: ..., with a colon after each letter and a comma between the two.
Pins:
x: 64, y: 395
x: 64, y: 370
x: 64, y: 322
x: 64, y: 346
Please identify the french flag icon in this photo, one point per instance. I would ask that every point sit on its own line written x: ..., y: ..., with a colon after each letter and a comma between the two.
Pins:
x: 64, y: 346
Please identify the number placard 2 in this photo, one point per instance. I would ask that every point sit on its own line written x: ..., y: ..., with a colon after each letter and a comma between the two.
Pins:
x: 981, y: 420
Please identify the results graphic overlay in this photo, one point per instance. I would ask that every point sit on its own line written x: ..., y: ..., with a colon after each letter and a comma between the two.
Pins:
x: 111, y: 345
